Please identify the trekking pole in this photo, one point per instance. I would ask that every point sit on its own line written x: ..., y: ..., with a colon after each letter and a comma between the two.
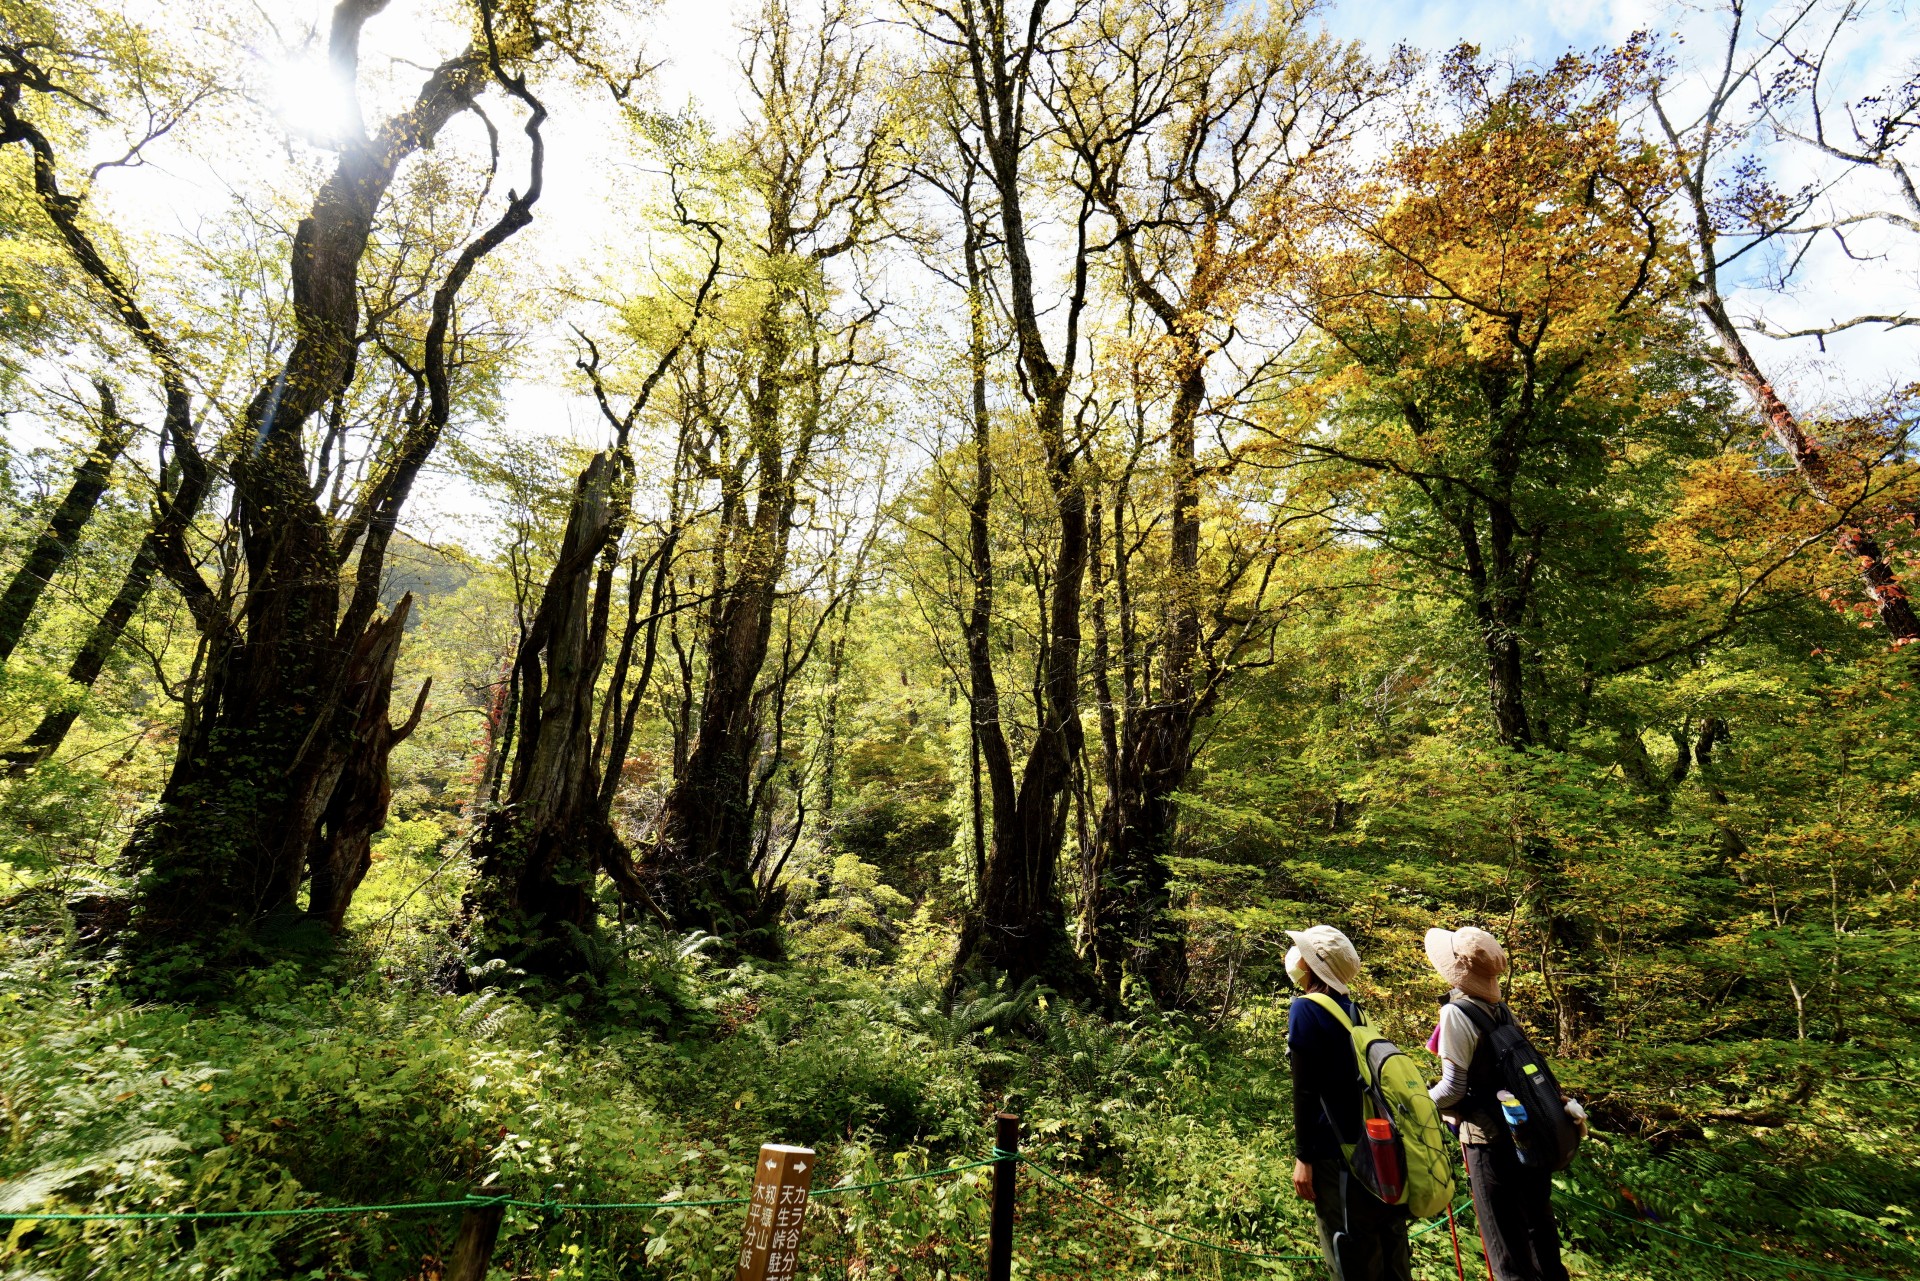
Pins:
x: 1459, y: 1268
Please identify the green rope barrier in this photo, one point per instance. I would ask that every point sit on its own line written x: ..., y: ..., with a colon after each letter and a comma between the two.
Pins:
x: 838, y: 1188
x: 550, y: 1207
x: 1777, y: 1262
x: 557, y: 1207
x: 192, y: 1215
x: 1215, y: 1246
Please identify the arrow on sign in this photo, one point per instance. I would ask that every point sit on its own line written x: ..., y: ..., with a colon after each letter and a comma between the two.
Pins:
x: 799, y: 1166
x: 773, y: 1165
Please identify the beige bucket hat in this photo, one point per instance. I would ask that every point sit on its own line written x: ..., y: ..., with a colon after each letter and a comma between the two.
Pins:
x: 1328, y: 953
x: 1468, y: 958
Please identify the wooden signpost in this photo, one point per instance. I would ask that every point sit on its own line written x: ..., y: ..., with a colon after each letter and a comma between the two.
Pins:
x: 770, y: 1248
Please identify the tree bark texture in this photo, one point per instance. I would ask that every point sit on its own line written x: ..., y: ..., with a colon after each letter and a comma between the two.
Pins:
x: 537, y: 854
x: 357, y: 809
x: 291, y: 679
x: 62, y: 533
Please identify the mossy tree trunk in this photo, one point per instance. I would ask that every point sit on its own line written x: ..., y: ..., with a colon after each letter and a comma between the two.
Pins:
x: 296, y: 668
x: 537, y: 855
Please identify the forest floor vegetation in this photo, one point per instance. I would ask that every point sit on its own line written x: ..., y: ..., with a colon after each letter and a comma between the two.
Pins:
x: 353, y: 1081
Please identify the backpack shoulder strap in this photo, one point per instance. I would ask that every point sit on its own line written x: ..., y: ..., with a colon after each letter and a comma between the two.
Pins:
x: 1479, y: 1017
x: 1332, y: 1007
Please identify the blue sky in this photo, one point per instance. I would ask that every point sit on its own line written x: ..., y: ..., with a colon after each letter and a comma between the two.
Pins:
x: 1524, y: 29
x: 1883, y: 46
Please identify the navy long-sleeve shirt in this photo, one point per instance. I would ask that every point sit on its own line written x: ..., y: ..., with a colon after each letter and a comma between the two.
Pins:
x: 1326, y: 1079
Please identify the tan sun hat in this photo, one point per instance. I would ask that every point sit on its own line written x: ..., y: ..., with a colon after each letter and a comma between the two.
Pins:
x: 1328, y: 953
x: 1470, y: 959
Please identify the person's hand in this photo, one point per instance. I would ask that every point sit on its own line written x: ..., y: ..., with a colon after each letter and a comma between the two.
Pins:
x: 1303, y: 1179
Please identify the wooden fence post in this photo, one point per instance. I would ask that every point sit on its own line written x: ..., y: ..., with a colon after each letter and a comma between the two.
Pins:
x: 1006, y: 1139
x: 473, y: 1248
x: 770, y: 1248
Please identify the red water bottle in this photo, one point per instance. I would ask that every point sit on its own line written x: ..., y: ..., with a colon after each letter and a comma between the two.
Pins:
x: 1384, y: 1149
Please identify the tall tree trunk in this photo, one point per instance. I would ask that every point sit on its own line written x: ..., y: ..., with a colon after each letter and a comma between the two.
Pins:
x: 702, y: 872
x: 536, y: 856
x: 1096, y: 913
x: 1018, y: 928
x: 357, y: 809
x: 56, y: 542
x: 1499, y: 573
x: 1506, y: 692
x: 816, y: 161
x: 1810, y: 461
x: 274, y: 725
x: 989, y: 736
x: 1137, y: 932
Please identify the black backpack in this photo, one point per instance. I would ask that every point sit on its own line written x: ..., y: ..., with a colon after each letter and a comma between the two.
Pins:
x: 1548, y: 1137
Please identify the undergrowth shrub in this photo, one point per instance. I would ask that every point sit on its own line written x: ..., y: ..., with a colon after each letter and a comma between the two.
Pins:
x: 341, y: 1085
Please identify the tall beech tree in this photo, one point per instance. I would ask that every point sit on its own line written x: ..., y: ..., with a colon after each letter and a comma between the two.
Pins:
x: 818, y: 161
x: 1191, y: 121
x: 1000, y: 60
x: 1507, y: 358
x: 298, y: 664
x: 1497, y: 296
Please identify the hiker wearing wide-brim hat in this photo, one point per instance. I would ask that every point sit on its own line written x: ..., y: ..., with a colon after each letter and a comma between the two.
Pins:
x: 1363, y: 1238
x: 1512, y: 1200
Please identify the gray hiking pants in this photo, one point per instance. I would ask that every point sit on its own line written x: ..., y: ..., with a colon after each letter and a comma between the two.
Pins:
x: 1376, y: 1246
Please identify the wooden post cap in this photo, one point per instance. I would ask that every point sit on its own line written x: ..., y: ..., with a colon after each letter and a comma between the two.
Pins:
x: 770, y: 1247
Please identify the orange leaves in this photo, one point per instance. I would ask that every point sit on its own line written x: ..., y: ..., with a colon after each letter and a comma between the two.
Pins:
x: 1530, y: 233
x: 1737, y: 529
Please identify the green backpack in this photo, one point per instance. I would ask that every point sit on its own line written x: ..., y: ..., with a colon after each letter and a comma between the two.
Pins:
x: 1402, y: 1154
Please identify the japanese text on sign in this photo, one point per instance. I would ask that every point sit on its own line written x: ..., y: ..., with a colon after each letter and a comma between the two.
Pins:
x: 770, y: 1247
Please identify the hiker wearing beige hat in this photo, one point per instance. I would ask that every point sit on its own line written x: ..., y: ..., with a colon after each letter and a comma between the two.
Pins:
x: 1362, y: 1237
x: 1512, y: 1199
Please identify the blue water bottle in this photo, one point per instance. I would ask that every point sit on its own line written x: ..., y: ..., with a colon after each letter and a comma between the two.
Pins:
x: 1515, y: 1113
